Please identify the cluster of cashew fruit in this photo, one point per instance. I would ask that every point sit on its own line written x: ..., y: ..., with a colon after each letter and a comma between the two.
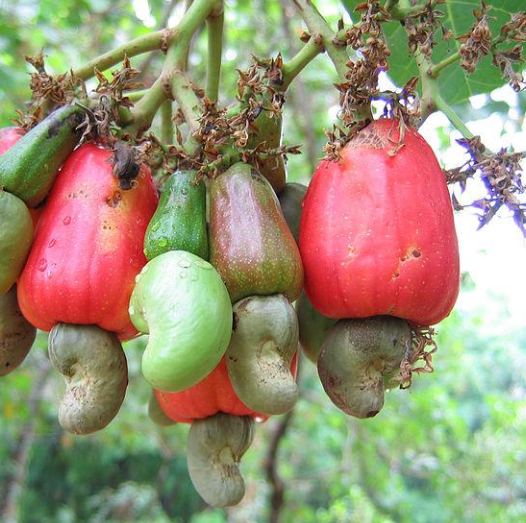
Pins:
x: 210, y: 272
x: 222, y: 333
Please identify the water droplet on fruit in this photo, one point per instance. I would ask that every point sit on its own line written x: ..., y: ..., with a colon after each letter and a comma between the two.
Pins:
x: 67, y: 220
x: 155, y: 227
x: 184, y: 263
x: 51, y: 243
x: 194, y: 277
x: 182, y: 275
x: 163, y: 242
x: 42, y: 265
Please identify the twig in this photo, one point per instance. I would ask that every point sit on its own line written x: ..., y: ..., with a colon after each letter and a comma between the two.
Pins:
x: 271, y: 468
x: 317, y: 25
x: 214, y: 25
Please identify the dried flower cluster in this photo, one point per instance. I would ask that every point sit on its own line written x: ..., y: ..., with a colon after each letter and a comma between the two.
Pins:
x: 224, y: 132
x: 421, y: 28
x: 423, y: 347
x: 501, y: 175
x: 57, y: 90
x: 361, y: 85
x: 477, y: 42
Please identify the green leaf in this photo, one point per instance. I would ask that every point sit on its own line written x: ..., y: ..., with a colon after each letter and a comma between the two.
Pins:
x: 455, y: 85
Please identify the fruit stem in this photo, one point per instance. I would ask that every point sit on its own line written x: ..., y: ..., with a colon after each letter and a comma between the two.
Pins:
x: 295, y: 65
x: 453, y: 117
x: 214, y: 25
x: 175, y: 61
x: 318, y: 25
x: 143, y: 44
x: 436, y: 69
x: 166, y: 122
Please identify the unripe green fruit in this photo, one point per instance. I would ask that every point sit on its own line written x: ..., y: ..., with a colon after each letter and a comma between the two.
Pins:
x: 182, y: 303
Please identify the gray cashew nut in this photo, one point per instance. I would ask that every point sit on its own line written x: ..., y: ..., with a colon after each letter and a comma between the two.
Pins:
x: 16, y: 333
x: 357, y: 359
x: 96, y: 374
x: 156, y: 413
x: 260, y: 353
x: 215, y: 446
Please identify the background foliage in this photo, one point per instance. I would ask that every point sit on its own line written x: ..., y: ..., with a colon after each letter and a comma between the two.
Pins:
x: 450, y: 449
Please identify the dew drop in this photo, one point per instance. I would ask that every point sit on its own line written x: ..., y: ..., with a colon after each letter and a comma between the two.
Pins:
x: 184, y: 263
x: 163, y: 242
x: 156, y: 227
x: 182, y: 274
x: 194, y: 277
x: 42, y: 265
x: 51, y: 243
x: 67, y: 220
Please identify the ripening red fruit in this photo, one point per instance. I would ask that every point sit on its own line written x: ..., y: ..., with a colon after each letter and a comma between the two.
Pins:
x: 377, y: 234
x: 88, y: 246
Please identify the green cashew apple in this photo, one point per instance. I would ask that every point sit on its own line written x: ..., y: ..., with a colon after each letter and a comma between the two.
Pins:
x: 357, y: 360
x: 182, y: 303
x: 251, y: 245
x: 179, y: 223
x: 291, y: 199
x: 16, y: 333
x: 313, y: 327
x: 16, y: 234
x: 96, y: 374
x: 214, y: 448
x: 259, y: 357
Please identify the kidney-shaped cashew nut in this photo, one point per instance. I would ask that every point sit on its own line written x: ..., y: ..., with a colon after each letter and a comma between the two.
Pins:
x: 96, y: 374
x: 260, y: 353
x: 358, y: 357
x: 214, y: 449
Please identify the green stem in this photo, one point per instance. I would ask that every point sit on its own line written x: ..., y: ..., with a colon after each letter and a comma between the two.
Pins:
x: 317, y: 25
x: 453, y: 117
x: 295, y: 65
x: 143, y: 44
x: 436, y: 69
x: 430, y: 87
x: 145, y: 109
x: 135, y: 96
x: 166, y: 122
x: 215, y: 46
x: 186, y: 99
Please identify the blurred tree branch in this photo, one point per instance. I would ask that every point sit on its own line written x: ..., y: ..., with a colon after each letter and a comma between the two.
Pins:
x: 13, y: 486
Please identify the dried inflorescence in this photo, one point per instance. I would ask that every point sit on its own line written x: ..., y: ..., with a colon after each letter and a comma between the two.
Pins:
x: 221, y: 129
x: 57, y: 90
x: 501, y: 174
x: 419, y: 359
x: 478, y: 40
x: 504, y: 60
x: 421, y: 28
x: 123, y: 80
x: 361, y: 85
